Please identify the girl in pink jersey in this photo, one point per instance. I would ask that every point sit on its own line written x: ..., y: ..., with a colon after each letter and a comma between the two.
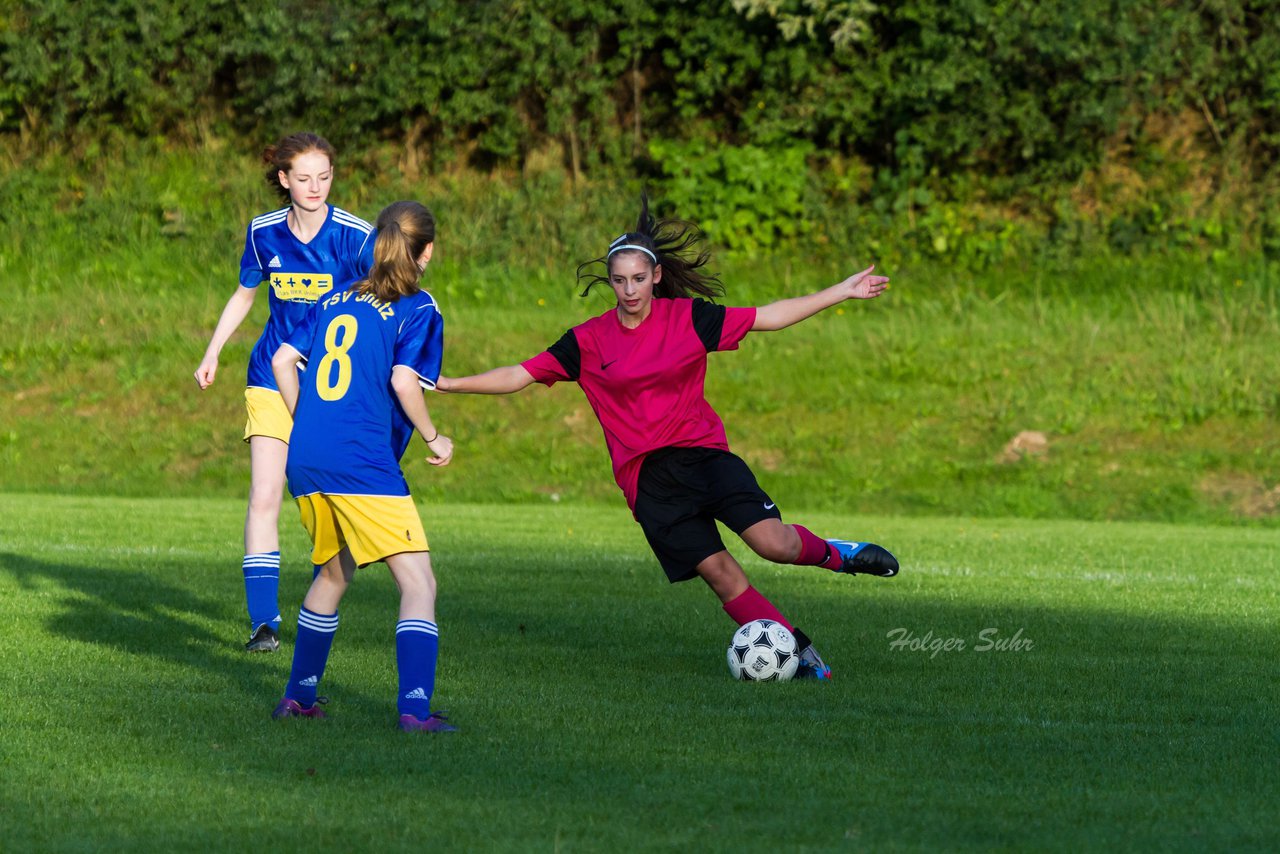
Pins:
x: 642, y: 366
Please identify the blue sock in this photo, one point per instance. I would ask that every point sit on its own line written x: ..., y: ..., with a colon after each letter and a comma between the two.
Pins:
x: 261, y: 589
x: 417, y: 645
x: 310, y: 654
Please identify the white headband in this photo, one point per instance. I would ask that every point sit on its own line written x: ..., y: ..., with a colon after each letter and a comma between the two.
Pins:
x: 617, y: 247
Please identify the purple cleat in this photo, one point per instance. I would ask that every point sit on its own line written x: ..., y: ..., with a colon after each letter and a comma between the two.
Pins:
x: 293, y: 709
x: 865, y: 559
x: 434, y: 722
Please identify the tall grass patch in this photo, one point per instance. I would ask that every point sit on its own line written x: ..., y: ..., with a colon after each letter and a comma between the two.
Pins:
x: 1148, y: 381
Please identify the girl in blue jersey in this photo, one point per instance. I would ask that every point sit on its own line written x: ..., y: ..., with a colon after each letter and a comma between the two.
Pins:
x: 369, y: 352
x: 305, y: 251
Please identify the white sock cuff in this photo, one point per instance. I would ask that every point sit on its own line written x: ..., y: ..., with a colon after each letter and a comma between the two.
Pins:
x: 424, y: 626
x: 324, y: 623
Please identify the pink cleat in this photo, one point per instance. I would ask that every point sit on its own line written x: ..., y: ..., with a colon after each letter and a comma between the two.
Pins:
x: 293, y: 709
x: 434, y: 722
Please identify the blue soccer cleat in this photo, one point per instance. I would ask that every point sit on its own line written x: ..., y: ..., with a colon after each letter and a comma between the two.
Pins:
x: 812, y: 666
x: 293, y: 709
x: 865, y: 559
x: 434, y: 722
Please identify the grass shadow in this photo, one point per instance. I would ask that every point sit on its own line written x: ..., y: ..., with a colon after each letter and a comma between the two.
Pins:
x: 138, y: 613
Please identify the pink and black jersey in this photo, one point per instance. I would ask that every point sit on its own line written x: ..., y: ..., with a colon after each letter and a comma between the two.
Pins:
x: 645, y: 385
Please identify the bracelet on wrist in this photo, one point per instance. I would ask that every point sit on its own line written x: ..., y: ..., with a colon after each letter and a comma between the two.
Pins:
x: 433, y: 438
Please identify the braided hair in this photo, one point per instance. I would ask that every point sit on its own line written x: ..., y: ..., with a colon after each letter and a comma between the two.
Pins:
x: 670, y: 244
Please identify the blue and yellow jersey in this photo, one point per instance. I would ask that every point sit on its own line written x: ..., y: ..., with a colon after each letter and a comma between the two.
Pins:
x: 300, y: 274
x: 349, y: 430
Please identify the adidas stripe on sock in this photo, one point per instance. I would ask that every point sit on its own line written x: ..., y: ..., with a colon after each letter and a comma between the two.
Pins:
x: 417, y: 647
x: 261, y: 588
x: 310, y: 655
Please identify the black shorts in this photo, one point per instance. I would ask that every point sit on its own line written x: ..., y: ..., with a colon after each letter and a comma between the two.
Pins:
x: 680, y: 495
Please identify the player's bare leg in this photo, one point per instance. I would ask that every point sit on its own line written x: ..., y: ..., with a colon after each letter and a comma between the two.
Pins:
x: 743, y: 603
x: 417, y: 643
x: 724, y: 575
x: 776, y: 541
x: 330, y: 584
x: 417, y: 584
x: 317, y: 624
x: 781, y: 543
x: 773, y: 540
x: 267, y: 456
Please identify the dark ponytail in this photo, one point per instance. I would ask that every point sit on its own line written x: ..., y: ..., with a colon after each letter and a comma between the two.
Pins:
x: 673, y: 244
x: 404, y: 230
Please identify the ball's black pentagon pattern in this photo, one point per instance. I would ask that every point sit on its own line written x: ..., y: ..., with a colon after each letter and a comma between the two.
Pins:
x: 762, y: 651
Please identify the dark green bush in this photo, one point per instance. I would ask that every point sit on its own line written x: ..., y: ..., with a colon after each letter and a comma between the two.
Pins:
x: 1015, y: 87
x: 966, y: 124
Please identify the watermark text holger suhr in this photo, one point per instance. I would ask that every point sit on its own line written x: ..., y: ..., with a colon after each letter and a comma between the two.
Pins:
x: 988, y: 640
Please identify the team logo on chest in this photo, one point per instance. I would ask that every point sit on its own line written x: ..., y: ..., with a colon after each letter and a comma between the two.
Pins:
x: 301, y: 287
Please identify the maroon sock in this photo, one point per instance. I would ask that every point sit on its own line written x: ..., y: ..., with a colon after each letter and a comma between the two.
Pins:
x: 814, y: 550
x: 750, y: 605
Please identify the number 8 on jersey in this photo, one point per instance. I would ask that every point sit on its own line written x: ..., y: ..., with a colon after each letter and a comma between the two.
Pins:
x: 336, y: 353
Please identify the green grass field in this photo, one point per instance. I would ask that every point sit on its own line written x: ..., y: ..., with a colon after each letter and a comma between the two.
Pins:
x: 595, y: 708
x: 595, y: 705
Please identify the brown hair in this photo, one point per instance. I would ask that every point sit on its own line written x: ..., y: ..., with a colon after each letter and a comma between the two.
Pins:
x: 670, y: 243
x: 404, y: 230
x: 279, y: 157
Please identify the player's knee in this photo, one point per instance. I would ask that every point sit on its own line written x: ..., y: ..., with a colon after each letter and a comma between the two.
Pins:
x: 773, y: 541
x: 264, y: 503
x: 264, y: 512
x: 427, y: 584
x: 417, y: 582
x: 331, y: 575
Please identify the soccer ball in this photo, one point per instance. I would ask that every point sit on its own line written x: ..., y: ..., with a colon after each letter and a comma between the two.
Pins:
x: 763, y: 651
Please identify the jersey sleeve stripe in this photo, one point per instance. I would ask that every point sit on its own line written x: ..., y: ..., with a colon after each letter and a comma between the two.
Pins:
x: 708, y: 322
x: 269, y: 219
x: 341, y: 216
x: 263, y: 221
x: 568, y: 353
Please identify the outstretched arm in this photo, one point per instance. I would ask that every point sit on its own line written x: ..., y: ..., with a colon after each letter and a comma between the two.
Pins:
x: 784, y: 313
x: 506, y: 380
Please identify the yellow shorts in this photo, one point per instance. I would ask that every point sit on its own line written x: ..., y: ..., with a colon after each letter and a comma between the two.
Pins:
x: 268, y: 416
x: 372, y: 526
